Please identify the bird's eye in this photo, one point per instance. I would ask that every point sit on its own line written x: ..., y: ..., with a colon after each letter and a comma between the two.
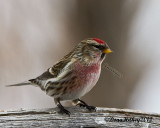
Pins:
x: 98, y: 47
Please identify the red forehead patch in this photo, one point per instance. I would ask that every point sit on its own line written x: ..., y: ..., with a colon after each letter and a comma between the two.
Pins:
x: 99, y: 41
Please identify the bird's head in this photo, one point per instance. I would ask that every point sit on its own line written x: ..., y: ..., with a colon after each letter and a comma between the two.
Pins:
x: 92, y: 49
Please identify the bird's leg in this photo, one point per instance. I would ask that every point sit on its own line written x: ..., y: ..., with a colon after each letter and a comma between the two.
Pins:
x: 83, y: 104
x: 62, y: 109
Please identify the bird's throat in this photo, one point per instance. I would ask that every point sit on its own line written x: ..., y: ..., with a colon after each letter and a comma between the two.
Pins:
x: 102, y: 56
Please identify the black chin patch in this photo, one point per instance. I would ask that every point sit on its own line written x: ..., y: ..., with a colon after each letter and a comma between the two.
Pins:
x: 103, y: 55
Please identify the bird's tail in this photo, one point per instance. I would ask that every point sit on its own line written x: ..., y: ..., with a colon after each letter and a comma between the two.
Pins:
x: 20, y: 84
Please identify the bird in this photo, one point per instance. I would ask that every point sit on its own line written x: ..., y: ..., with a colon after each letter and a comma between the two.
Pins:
x: 74, y: 75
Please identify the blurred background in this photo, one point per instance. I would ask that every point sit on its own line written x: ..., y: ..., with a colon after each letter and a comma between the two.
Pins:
x: 34, y: 34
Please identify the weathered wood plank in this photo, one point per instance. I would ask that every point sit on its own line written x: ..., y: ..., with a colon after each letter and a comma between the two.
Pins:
x: 80, y: 117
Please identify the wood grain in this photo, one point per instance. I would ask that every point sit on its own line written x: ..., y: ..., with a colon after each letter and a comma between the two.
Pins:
x: 80, y: 117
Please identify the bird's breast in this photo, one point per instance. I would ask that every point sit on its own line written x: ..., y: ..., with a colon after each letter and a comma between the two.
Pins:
x: 86, y: 72
x: 87, y: 77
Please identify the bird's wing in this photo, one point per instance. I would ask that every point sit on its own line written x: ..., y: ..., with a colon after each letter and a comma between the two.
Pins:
x: 63, y: 74
x: 60, y: 72
x: 61, y: 81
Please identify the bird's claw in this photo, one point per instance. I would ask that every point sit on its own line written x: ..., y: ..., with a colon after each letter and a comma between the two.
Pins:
x: 64, y: 111
x: 90, y: 108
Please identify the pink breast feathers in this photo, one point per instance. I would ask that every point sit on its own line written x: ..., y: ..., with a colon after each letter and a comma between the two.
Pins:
x: 87, y: 72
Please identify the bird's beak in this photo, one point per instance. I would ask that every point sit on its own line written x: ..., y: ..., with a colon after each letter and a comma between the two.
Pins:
x: 107, y: 50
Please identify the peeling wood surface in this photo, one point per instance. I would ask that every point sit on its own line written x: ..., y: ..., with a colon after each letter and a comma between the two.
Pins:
x: 80, y: 117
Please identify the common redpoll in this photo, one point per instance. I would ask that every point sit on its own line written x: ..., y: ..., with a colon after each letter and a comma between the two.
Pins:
x: 74, y: 75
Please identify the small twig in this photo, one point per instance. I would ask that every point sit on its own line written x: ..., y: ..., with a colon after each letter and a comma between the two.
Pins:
x: 114, y: 71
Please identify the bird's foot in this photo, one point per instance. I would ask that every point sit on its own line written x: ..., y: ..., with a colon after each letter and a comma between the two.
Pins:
x: 83, y: 104
x: 63, y: 110
x: 91, y: 108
